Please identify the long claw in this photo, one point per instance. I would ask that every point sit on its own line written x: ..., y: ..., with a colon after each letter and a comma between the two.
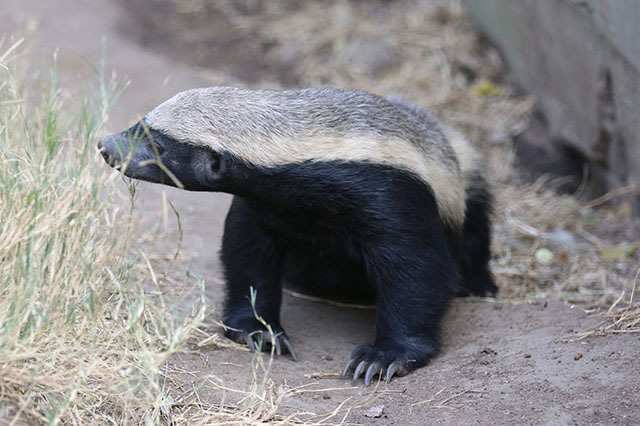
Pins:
x: 289, y: 347
x: 373, y: 370
x: 395, y: 368
x: 249, y: 341
x: 348, y: 367
x: 359, y: 369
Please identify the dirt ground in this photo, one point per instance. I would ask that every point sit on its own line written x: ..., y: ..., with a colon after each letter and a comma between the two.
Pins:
x: 514, y: 360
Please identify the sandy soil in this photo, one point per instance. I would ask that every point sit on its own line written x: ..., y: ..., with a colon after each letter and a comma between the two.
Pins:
x: 503, y: 362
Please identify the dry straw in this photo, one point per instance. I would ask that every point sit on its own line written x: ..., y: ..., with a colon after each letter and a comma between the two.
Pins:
x: 80, y: 342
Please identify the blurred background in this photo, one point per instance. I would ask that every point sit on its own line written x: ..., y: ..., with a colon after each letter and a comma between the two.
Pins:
x: 579, y: 60
x: 548, y: 91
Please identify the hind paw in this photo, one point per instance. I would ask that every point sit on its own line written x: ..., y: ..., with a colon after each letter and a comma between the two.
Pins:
x: 480, y: 287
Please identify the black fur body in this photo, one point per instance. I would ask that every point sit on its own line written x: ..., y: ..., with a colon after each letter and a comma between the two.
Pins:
x: 347, y: 229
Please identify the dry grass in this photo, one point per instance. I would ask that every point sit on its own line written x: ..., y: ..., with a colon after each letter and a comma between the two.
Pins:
x: 80, y: 341
x: 616, y: 319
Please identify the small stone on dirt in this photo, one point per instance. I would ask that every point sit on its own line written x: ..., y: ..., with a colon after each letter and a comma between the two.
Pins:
x: 577, y: 356
x: 374, y: 412
x: 544, y: 256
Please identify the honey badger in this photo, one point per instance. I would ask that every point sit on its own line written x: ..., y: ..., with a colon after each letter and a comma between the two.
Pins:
x: 340, y: 192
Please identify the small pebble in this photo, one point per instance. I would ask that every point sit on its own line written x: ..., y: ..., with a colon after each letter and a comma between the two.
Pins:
x: 544, y: 256
x: 374, y: 412
x: 577, y: 356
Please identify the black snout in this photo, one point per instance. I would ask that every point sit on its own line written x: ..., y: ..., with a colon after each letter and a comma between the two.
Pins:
x: 134, y: 156
x: 111, y: 148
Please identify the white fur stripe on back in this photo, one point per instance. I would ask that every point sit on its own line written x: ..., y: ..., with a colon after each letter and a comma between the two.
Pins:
x: 271, y: 128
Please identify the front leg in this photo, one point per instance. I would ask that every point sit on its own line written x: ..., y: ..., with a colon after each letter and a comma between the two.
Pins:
x: 415, y: 278
x: 252, y: 258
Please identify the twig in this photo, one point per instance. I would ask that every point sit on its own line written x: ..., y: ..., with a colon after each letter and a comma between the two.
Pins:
x: 430, y: 399
x: 323, y: 390
x: 633, y: 289
x: 321, y: 375
x: 452, y: 397
x: 613, y: 306
x: 609, y: 195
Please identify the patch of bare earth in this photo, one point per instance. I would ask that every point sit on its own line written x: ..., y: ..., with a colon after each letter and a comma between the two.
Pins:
x: 559, y: 344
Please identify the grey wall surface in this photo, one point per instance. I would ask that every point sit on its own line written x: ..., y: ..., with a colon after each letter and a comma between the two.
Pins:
x: 581, y: 60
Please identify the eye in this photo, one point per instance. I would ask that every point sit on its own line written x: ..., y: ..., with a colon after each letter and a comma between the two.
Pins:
x: 215, y: 162
x: 158, y: 147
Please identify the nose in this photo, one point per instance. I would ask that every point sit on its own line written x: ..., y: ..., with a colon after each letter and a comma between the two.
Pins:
x: 109, y: 149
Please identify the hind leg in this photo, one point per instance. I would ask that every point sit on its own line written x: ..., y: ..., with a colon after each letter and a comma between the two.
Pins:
x: 476, y: 242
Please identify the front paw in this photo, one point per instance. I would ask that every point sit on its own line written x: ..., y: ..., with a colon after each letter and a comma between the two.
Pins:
x: 258, y: 337
x: 482, y: 285
x: 386, y: 361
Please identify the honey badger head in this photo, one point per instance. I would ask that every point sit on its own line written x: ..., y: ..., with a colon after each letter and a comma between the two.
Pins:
x: 146, y: 154
x: 189, y: 140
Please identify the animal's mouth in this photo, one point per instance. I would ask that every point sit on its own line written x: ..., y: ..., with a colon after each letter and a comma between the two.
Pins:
x: 136, y: 158
x: 112, y: 160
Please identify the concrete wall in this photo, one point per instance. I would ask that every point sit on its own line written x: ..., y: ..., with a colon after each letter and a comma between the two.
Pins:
x: 581, y: 60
